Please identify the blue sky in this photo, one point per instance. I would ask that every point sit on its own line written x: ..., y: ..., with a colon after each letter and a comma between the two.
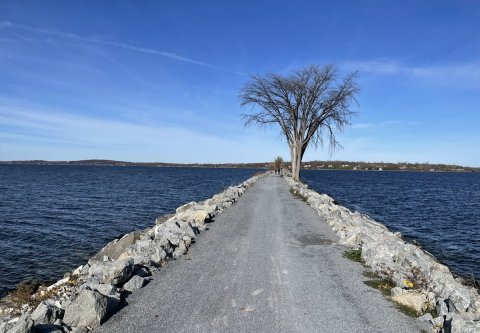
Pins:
x: 158, y: 80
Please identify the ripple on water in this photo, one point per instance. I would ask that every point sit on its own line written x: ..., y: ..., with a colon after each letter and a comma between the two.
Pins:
x: 54, y: 218
x: 439, y: 210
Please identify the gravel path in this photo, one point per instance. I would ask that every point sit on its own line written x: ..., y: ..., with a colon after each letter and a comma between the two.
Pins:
x: 267, y: 264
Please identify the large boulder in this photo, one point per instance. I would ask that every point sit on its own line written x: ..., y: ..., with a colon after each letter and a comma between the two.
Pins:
x: 114, y: 272
x: 461, y: 299
x: 414, y: 300
x: 90, y: 308
x: 169, y: 231
x: 185, y: 207
x: 25, y: 324
x: 46, y: 314
x: 135, y: 283
x: 107, y: 290
x: 149, y: 250
x: 116, y: 247
x: 163, y: 218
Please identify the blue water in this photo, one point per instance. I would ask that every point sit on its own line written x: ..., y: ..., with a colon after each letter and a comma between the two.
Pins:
x: 439, y: 210
x: 53, y: 218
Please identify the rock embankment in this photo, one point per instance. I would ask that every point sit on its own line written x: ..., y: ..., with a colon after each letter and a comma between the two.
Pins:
x: 422, y: 282
x: 84, y: 299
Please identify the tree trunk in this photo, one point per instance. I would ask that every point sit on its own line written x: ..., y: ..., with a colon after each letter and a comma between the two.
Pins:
x: 296, y: 152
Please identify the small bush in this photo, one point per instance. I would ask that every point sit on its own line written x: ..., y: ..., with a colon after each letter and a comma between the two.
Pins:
x: 258, y: 173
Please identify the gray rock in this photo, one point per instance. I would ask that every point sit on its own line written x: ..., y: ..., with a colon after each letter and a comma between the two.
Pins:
x: 46, y: 314
x: 135, y: 283
x: 396, y: 291
x: 105, y: 289
x: 115, y: 248
x: 461, y: 299
x: 187, y: 228
x: 441, y: 307
x: 149, y: 250
x: 49, y: 328
x: 169, y: 231
x: 425, y: 317
x: 25, y: 324
x: 80, y: 329
x: 460, y: 325
x: 163, y: 219
x: 185, y: 207
x: 437, y: 322
x: 116, y: 272
x: 89, y: 309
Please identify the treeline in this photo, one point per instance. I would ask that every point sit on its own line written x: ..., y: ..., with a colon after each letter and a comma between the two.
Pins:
x: 385, y: 166
x: 149, y: 164
x: 315, y: 165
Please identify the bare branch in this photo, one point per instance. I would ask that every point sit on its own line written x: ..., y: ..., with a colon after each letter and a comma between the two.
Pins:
x: 308, y: 105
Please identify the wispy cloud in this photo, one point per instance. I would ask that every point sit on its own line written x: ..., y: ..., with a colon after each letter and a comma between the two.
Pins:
x: 386, y: 124
x: 26, y: 128
x: 466, y: 74
x: 4, y: 24
x: 170, y: 55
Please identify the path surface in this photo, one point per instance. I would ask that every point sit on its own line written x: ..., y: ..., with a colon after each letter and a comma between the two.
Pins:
x: 267, y: 264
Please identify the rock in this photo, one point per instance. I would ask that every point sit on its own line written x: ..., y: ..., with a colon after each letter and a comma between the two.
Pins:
x: 143, y: 252
x: 89, y: 309
x: 187, y: 228
x: 80, y: 329
x: 46, y: 314
x: 461, y: 299
x: 425, y: 317
x: 25, y: 324
x: 396, y: 291
x: 116, y: 272
x: 49, y: 328
x: 169, y: 231
x: 441, y: 307
x: 416, y: 301
x: 437, y: 322
x: 180, y: 250
x: 135, y: 283
x: 460, y: 325
x: 107, y: 290
x: 114, y: 249
x: 185, y: 207
x: 200, y: 216
x: 163, y: 219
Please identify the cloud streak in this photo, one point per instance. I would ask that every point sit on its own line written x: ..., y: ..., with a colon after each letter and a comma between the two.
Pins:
x: 8, y: 24
x: 467, y: 74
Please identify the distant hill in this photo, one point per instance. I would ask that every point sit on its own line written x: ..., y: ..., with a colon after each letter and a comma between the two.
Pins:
x: 312, y: 165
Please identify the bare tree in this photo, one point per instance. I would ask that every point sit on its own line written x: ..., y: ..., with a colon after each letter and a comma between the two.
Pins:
x: 307, y: 105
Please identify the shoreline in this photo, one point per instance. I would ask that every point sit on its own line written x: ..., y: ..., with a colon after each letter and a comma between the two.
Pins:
x: 128, y: 263
x: 85, y: 296
x: 418, y: 280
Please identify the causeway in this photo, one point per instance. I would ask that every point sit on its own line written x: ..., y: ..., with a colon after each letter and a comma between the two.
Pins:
x: 269, y: 263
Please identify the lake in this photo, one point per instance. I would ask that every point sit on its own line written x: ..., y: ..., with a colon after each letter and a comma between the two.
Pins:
x: 440, y: 210
x: 54, y: 218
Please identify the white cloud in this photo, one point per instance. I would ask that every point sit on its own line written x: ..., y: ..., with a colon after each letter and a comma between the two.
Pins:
x: 465, y: 75
x: 28, y: 133
x: 115, y: 44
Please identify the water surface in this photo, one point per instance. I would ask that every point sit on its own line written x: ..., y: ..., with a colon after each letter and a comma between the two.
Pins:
x: 54, y: 218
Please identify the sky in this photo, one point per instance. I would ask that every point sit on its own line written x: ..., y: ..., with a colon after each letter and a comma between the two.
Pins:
x: 158, y: 81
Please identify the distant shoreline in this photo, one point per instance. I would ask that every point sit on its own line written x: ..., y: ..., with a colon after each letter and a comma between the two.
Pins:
x: 306, y: 165
x: 220, y: 166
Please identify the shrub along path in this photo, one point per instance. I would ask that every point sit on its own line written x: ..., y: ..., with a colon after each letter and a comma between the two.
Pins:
x: 267, y: 264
